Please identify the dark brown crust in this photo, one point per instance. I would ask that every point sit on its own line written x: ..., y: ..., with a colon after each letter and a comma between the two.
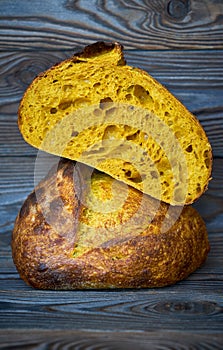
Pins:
x: 44, y: 257
x: 98, y: 48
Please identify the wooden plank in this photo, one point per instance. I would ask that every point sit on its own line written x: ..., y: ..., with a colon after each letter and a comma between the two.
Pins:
x: 194, y: 77
x: 179, y: 309
x: 43, y: 339
x: 142, y: 24
x: 163, y: 308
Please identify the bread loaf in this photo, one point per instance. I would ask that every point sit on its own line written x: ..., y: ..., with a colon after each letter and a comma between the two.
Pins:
x: 82, y: 229
x: 96, y: 109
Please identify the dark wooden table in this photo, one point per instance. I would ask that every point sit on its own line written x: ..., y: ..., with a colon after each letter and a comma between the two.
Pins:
x: 180, y: 43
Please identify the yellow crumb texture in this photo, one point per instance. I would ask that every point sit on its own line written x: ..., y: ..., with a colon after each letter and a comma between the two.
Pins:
x: 96, y: 109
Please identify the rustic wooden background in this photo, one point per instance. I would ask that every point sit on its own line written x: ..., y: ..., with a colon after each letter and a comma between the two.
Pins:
x: 179, y: 42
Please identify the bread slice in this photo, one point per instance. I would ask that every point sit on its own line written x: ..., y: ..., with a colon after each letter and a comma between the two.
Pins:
x: 96, y: 109
x: 82, y: 229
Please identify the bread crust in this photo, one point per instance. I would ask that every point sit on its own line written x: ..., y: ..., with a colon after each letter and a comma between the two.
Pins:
x: 46, y: 233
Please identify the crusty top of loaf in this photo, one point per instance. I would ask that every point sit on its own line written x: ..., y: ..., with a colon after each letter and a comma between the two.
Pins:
x: 81, y: 231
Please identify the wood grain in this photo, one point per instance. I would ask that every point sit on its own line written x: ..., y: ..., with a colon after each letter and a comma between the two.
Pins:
x: 124, y: 310
x: 86, y: 340
x: 139, y: 24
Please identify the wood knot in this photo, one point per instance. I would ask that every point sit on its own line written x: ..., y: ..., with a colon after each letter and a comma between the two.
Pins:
x: 177, y: 9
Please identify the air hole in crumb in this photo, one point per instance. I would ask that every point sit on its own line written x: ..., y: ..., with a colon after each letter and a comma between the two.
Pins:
x: 198, y: 189
x: 74, y: 133
x: 136, y: 179
x: 207, y: 158
x: 142, y: 94
x: 128, y: 173
x: 154, y: 174
x: 104, y: 102
x: 128, y: 97
x: 110, y: 111
x: 206, y: 153
x: 96, y: 85
x: 177, y: 134
x: 110, y: 131
x: 133, y: 136
x: 97, y: 112
x: 169, y: 122
x: 65, y: 104
x: 133, y: 176
x: 189, y: 149
x: 53, y: 110
x: 67, y: 87
x: 81, y: 101
x: 207, y: 163
x: 55, y: 81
